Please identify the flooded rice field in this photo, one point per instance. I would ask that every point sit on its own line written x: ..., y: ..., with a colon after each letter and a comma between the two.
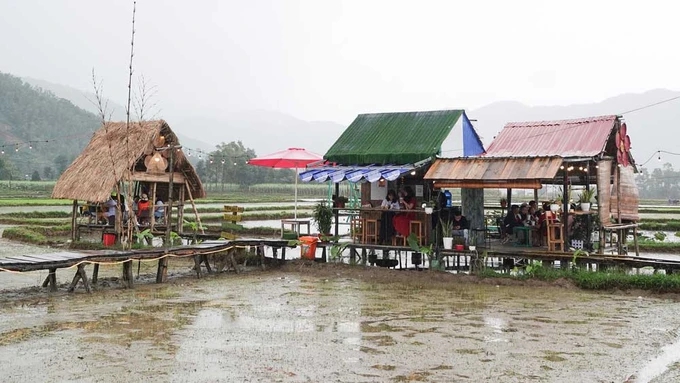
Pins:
x: 334, y: 323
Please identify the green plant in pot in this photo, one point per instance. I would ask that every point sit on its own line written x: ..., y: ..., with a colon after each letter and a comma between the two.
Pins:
x: 323, y: 217
x: 435, y: 262
x: 446, y: 227
x: 586, y: 198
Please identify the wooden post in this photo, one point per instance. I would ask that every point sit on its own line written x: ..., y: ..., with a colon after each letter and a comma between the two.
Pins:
x: 127, y: 274
x: 51, y: 280
x: 162, y: 271
x: 153, y: 206
x: 74, y: 220
x: 80, y: 274
x: 233, y: 260
x: 508, y: 196
x: 180, y: 211
x: 204, y: 259
x: 193, y: 205
x: 565, y: 212
x: 95, y: 273
x: 197, y: 265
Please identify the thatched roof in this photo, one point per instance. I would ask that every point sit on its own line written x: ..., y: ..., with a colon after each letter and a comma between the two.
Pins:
x: 114, y: 150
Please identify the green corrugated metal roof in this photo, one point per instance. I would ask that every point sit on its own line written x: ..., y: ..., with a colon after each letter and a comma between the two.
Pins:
x: 393, y: 138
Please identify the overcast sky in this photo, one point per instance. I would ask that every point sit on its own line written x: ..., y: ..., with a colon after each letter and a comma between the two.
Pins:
x: 330, y: 60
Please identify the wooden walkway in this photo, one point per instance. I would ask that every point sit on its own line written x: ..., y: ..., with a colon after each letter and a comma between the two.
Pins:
x: 79, y: 259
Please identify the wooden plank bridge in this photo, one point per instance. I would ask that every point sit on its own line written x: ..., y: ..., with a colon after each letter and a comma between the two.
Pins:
x: 79, y: 259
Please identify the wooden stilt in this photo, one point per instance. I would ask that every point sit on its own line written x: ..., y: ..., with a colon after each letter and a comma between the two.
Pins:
x: 260, y: 250
x: 74, y: 282
x: 74, y: 221
x: 162, y: 271
x: 95, y: 273
x: 153, y: 209
x: 233, y: 261
x: 83, y: 277
x: 51, y: 280
x: 197, y: 265
x: 127, y: 274
x: 204, y: 259
x: 193, y: 205
x: 180, y: 210
x: 635, y: 241
x: 80, y: 274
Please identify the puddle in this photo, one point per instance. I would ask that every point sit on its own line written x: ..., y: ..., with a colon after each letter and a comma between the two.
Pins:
x: 289, y: 327
x: 669, y: 355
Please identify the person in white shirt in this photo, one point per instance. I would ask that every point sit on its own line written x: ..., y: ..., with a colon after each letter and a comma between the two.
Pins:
x: 391, y: 201
x: 159, y: 212
x: 111, y: 208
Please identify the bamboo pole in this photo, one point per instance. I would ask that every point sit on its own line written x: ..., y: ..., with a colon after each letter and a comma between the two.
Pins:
x: 193, y: 205
x: 74, y: 220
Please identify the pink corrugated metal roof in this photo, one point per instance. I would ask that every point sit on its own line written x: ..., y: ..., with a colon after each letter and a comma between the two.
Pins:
x: 584, y: 137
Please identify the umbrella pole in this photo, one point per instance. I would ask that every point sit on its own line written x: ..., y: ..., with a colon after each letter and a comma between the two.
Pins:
x: 296, y: 182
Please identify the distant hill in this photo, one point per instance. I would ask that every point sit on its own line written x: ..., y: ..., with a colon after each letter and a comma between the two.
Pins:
x: 39, y: 132
x: 650, y: 129
x: 85, y: 100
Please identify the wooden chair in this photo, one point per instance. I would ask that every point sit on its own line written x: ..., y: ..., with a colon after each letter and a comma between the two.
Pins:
x: 371, y: 231
x: 356, y: 229
x: 554, y: 232
x: 415, y: 227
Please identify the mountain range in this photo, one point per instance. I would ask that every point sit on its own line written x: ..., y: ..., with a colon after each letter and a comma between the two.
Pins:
x: 269, y: 131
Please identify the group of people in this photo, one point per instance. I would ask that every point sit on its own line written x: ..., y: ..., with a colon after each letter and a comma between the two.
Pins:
x: 141, y: 208
x: 393, y: 219
x: 526, y: 214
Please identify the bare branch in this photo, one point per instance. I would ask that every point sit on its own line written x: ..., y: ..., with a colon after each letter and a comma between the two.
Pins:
x: 144, y: 97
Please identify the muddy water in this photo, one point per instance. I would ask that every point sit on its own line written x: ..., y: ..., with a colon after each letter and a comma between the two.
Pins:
x: 285, y: 327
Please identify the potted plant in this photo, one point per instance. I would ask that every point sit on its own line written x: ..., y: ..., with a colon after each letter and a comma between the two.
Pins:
x: 447, y: 239
x: 435, y: 262
x: 323, y: 216
x: 429, y: 207
x: 585, y: 198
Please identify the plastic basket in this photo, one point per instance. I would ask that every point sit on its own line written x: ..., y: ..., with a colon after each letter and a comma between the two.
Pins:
x: 308, y: 247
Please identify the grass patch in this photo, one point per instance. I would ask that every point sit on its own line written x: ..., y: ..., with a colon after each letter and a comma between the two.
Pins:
x: 24, y: 234
x: 599, y: 280
x: 657, y: 247
x: 659, y: 225
x: 34, y: 221
x: 38, y: 214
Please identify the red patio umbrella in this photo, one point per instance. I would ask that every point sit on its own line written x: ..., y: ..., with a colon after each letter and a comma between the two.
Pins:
x: 291, y: 158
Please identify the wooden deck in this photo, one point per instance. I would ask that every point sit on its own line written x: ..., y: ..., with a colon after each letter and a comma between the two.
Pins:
x: 497, y: 255
x: 68, y: 259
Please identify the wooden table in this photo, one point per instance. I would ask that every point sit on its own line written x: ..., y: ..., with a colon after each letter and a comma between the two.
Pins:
x: 295, y: 225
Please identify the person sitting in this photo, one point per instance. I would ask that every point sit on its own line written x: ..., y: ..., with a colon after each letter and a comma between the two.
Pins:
x: 402, y: 221
x: 159, y: 211
x: 460, y: 225
x: 143, y: 212
x: 512, y: 220
x: 391, y: 201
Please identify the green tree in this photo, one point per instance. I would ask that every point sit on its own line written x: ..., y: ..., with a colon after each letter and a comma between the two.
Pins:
x: 35, y: 176
x: 61, y: 163
x: 48, y: 173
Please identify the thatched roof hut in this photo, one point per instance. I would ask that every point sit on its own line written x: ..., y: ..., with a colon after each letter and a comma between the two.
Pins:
x: 116, y: 149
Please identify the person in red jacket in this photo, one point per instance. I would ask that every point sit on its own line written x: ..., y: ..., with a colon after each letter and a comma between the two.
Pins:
x: 143, y: 211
